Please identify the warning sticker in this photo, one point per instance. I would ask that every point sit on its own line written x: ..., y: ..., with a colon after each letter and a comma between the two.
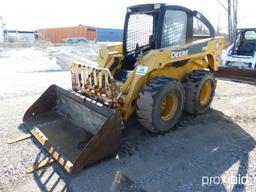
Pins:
x: 141, y: 70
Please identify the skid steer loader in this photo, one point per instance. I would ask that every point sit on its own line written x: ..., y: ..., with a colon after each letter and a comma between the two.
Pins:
x: 242, y: 53
x: 239, y: 60
x: 161, y: 69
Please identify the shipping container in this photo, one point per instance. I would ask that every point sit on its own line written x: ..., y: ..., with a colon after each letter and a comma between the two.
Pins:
x: 108, y: 34
x: 57, y: 35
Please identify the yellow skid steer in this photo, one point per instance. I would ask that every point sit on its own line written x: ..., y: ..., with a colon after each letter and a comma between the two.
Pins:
x: 163, y: 67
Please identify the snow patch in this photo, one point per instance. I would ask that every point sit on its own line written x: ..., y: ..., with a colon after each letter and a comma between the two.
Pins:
x: 239, y: 100
x: 27, y: 60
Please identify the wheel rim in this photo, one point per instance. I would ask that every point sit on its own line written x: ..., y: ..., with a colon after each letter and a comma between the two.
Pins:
x: 168, y: 107
x: 205, y: 92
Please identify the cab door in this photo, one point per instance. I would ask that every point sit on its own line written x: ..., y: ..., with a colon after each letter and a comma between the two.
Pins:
x: 175, y: 31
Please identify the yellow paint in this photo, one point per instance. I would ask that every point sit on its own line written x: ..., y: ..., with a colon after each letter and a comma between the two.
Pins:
x: 19, y: 138
x: 107, y: 55
x: 40, y: 165
x: 205, y: 92
x: 169, y: 106
x: 159, y: 63
x: 68, y: 166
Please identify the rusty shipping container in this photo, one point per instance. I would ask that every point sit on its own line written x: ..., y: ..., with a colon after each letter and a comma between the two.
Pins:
x: 56, y: 35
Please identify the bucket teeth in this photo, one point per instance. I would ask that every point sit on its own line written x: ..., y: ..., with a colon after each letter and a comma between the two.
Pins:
x: 19, y: 138
x: 40, y: 165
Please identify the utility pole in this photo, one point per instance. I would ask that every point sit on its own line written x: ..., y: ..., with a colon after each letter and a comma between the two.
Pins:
x: 218, y: 26
x: 235, y: 4
x: 231, y: 10
x: 230, y: 27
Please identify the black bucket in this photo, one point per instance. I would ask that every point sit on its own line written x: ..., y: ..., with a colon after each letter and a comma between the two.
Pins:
x: 76, y: 130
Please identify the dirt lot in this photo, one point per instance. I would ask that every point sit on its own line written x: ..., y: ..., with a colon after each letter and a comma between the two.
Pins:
x: 211, y: 152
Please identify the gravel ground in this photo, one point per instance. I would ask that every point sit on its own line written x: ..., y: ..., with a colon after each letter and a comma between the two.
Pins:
x: 204, y: 153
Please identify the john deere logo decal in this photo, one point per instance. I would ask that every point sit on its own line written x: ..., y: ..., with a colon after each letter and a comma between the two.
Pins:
x: 177, y: 54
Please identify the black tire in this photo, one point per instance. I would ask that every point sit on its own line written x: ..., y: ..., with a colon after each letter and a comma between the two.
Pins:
x: 193, y: 86
x: 152, y: 96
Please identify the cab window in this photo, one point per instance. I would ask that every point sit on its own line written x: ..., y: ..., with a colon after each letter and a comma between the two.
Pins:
x: 250, y: 35
x: 174, y: 28
x: 200, y: 31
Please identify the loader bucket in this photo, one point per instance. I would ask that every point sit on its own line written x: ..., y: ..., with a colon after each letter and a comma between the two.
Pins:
x: 75, y: 130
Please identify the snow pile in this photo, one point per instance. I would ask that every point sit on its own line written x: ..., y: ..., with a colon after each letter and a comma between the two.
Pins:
x: 28, y: 60
x: 30, y: 71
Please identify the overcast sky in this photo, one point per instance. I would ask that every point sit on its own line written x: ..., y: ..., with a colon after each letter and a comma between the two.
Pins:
x: 28, y: 14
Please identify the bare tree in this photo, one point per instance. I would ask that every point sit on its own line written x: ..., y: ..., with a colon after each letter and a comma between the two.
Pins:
x: 231, y: 9
x: 230, y: 26
x: 235, y: 5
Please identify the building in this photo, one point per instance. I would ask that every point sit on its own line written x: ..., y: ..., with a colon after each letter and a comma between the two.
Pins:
x: 57, y: 35
x: 2, y: 27
x: 24, y: 36
x: 108, y: 34
x: 1, y: 34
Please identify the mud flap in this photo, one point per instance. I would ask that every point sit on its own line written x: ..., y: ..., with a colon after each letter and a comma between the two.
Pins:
x: 76, y: 130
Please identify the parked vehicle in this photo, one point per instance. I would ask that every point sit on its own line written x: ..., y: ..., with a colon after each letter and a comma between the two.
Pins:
x: 242, y: 53
x: 160, y: 70
x: 75, y: 40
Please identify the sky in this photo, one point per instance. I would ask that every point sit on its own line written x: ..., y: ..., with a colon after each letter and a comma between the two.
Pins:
x: 34, y: 14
